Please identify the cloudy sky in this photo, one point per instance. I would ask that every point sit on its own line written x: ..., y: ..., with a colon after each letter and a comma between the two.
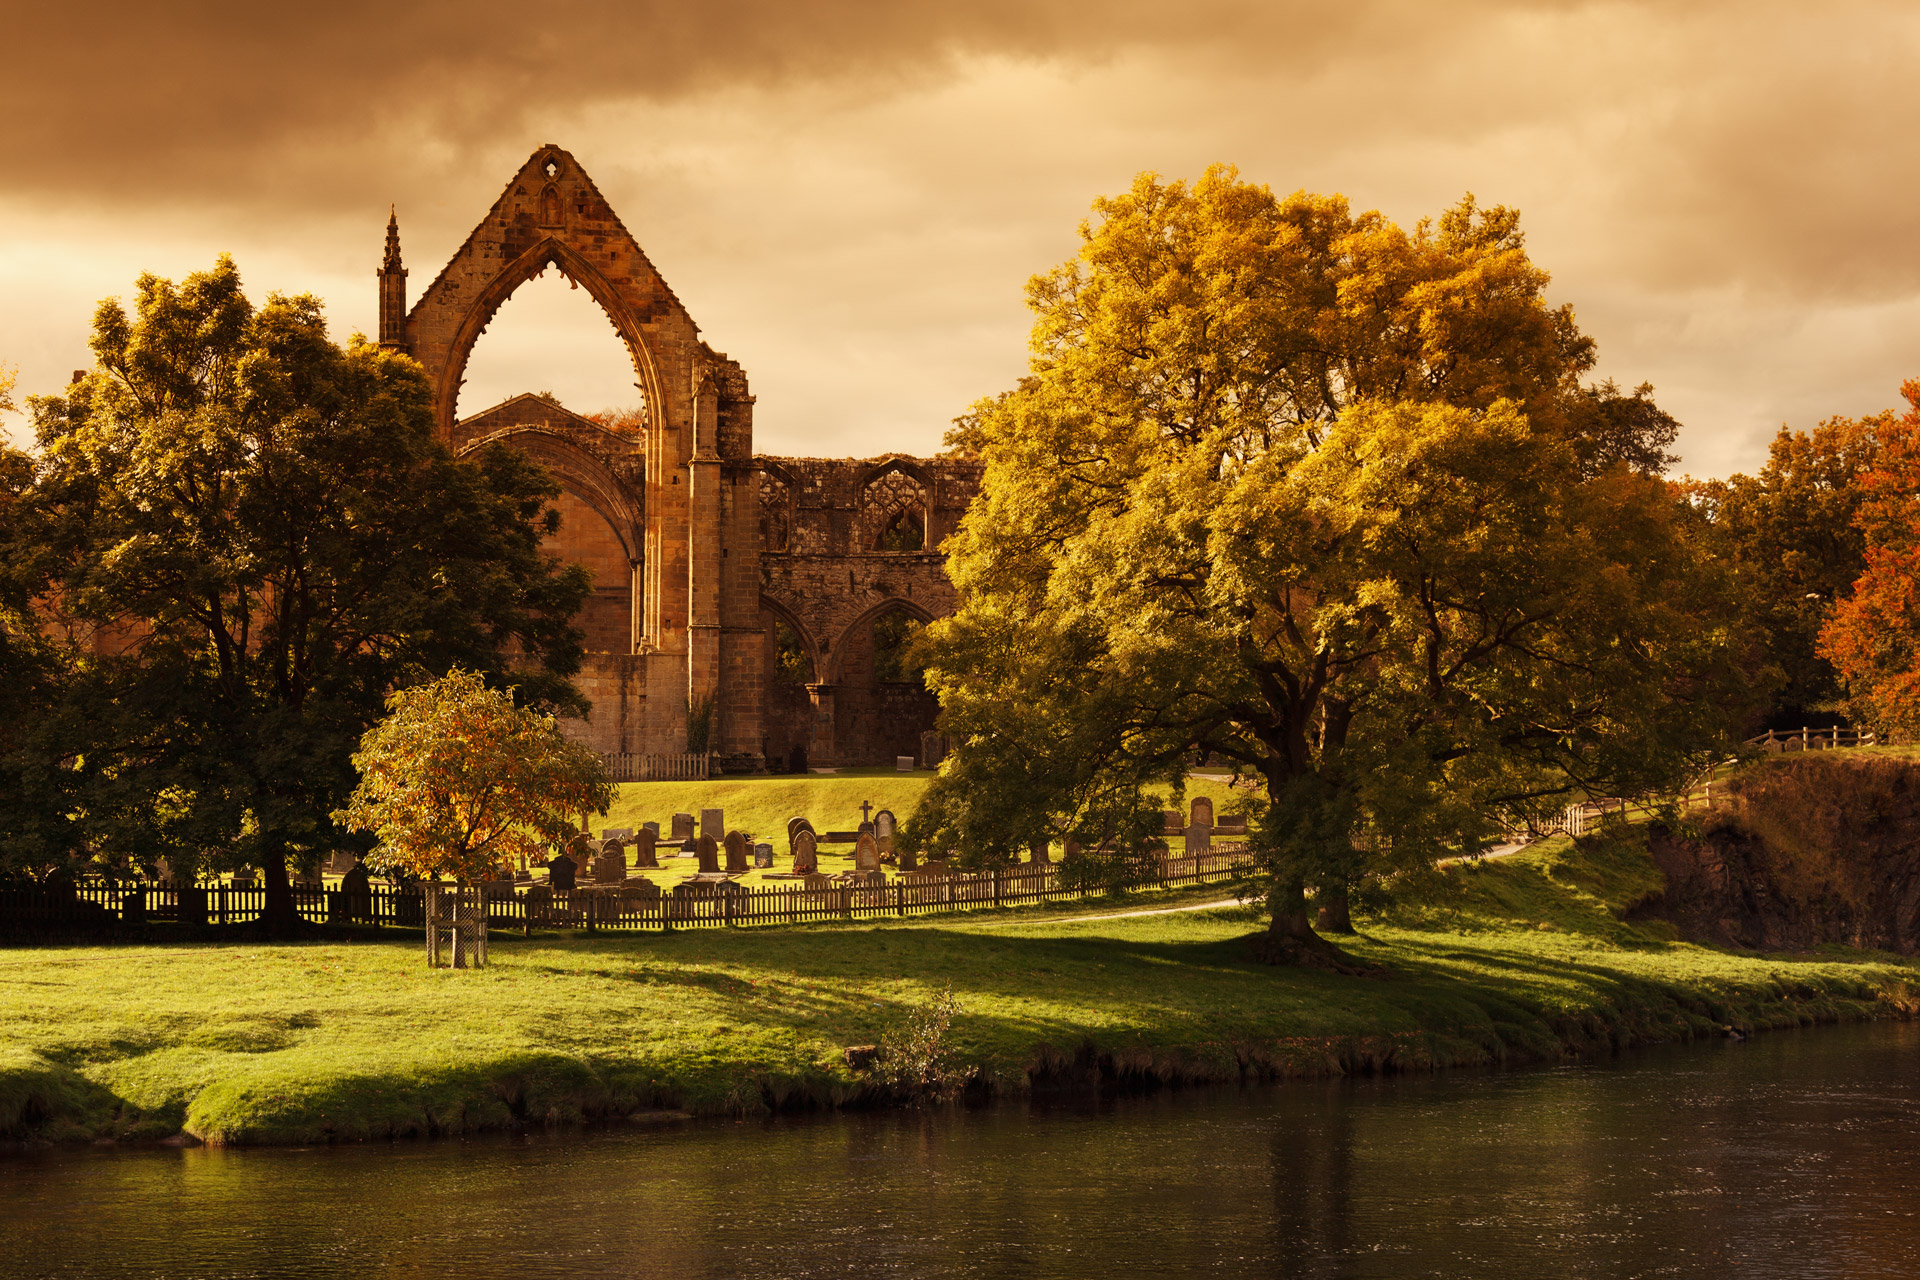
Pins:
x: 850, y: 195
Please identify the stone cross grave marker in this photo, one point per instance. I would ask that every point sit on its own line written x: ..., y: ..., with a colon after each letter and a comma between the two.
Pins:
x: 737, y: 863
x: 806, y: 859
x: 709, y: 852
x: 866, y: 811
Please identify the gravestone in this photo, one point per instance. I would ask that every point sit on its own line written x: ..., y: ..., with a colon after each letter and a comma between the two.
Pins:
x: 523, y: 876
x: 1040, y: 851
x: 611, y: 866
x: 903, y: 764
x: 737, y: 856
x: 806, y: 859
x: 644, y: 857
x: 1170, y: 824
x: 682, y: 827
x: 909, y: 860
x: 797, y: 825
x: 713, y: 822
x: 708, y: 851
x: 763, y: 855
x: 653, y: 827
x: 866, y: 853
x: 623, y: 834
x: 1200, y: 812
x: 560, y: 872
x: 885, y: 824
x: 815, y: 880
x: 641, y: 894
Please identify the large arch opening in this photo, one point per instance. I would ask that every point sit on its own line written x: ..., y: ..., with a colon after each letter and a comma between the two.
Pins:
x: 882, y: 704
x: 550, y: 336
x: 586, y: 538
x: 786, y: 718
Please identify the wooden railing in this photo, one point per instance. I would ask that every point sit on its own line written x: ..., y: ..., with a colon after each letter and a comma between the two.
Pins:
x: 688, y: 766
x: 103, y: 910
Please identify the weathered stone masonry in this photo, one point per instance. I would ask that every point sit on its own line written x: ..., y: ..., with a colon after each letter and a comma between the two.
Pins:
x: 773, y: 590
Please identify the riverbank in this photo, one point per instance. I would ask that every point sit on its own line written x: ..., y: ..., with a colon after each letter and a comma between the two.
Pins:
x: 1524, y: 959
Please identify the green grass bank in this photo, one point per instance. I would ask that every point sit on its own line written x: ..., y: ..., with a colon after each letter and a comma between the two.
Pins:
x: 1526, y: 958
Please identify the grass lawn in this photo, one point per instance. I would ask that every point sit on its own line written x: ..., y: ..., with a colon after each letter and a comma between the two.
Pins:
x: 1522, y: 958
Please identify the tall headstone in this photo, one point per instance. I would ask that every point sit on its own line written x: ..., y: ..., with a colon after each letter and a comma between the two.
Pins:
x: 866, y: 852
x: 713, y: 822
x: 1200, y: 825
x: 739, y: 858
x: 806, y: 859
x: 797, y: 825
x: 682, y: 827
x: 885, y: 824
x: 709, y: 852
x: 560, y: 872
x: 644, y: 856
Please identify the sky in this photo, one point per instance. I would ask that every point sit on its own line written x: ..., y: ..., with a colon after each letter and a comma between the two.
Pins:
x: 849, y: 196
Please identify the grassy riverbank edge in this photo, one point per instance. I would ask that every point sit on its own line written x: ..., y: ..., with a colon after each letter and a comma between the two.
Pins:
x: 1526, y: 959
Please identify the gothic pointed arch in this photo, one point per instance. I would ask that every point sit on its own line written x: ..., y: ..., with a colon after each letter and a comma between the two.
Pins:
x: 842, y: 643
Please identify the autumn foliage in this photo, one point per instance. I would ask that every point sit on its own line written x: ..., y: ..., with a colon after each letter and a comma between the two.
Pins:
x: 458, y: 781
x: 1872, y: 637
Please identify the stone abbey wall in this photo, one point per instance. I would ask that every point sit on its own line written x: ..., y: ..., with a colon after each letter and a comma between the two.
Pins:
x: 771, y: 595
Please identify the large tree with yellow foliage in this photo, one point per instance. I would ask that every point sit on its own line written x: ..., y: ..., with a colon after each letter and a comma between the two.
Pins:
x: 1327, y: 499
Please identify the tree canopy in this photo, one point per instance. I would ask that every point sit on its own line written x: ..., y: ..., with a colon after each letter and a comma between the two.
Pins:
x: 255, y: 536
x: 1327, y: 499
x: 457, y: 780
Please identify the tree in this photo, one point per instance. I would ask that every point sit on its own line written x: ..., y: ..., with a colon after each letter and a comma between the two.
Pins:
x: 457, y: 780
x: 265, y: 538
x: 1790, y: 533
x: 1303, y: 492
x: 1871, y: 636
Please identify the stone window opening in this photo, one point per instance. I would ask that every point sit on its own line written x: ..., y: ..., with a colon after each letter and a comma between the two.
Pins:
x: 895, y: 515
x: 776, y: 513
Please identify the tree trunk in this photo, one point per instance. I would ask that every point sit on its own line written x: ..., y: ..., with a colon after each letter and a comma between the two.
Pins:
x: 1335, y: 909
x: 278, y: 920
x: 1289, y: 938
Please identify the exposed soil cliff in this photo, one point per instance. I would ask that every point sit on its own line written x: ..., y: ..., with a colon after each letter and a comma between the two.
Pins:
x: 1814, y: 849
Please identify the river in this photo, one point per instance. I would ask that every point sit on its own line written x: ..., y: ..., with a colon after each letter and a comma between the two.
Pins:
x: 1793, y: 1154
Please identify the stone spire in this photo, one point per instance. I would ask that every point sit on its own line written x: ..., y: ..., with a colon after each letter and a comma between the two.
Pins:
x: 393, y: 290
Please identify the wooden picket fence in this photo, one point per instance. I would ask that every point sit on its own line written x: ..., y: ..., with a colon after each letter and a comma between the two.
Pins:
x: 101, y: 910
x: 688, y: 766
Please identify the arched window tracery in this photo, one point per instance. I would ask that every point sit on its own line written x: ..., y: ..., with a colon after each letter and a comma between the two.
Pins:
x: 894, y: 513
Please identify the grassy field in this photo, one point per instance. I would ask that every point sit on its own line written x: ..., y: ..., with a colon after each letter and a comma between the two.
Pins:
x: 1524, y: 958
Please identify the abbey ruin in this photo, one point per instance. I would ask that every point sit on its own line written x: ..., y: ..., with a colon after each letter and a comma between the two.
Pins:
x: 768, y: 596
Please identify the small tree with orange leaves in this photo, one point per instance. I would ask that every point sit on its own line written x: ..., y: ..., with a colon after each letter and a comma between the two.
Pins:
x: 458, y: 780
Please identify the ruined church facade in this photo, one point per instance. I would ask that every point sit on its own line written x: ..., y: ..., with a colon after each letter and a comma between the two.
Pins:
x: 766, y: 597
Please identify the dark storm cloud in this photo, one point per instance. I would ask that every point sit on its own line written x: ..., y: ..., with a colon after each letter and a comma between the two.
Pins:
x: 235, y: 101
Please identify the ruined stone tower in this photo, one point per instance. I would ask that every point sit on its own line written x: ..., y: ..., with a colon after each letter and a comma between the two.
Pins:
x: 763, y: 594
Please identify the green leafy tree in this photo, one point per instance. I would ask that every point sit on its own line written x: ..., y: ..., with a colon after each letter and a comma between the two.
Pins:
x: 1304, y: 492
x: 265, y: 537
x: 458, y: 781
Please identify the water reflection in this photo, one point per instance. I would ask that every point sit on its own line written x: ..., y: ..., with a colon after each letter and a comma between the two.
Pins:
x: 1791, y: 1155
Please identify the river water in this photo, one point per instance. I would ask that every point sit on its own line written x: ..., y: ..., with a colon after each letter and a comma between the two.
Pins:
x: 1793, y: 1154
